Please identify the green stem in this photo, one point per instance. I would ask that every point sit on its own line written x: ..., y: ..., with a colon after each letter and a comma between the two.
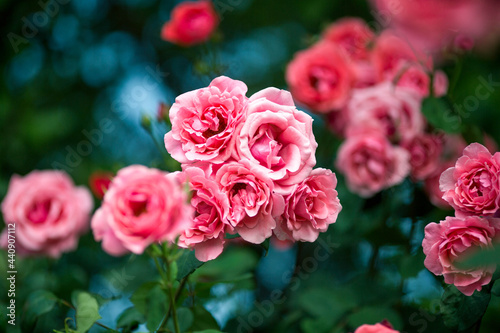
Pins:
x: 172, y: 299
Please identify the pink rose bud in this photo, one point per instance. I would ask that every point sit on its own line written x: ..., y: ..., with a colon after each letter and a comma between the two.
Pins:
x: 451, y: 241
x: 141, y: 207
x: 99, y: 182
x: 49, y: 213
x: 377, y: 328
x: 191, y: 22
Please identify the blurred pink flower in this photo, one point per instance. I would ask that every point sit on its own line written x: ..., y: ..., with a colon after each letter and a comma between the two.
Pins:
x: 377, y: 328
x: 425, y: 153
x: 141, y: 207
x: 49, y: 213
x: 191, y: 22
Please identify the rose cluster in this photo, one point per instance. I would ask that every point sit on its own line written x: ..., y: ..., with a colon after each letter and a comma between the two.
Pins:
x: 371, y: 89
x: 472, y: 188
x: 249, y: 165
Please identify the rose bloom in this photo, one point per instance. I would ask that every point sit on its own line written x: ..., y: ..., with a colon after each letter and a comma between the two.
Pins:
x: 440, y: 83
x: 204, y: 120
x: 425, y: 153
x: 370, y: 163
x: 352, y: 35
x: 253, y: 205
x: 413, y: 77
x: 377, y: 328
x: 141, y: 207
x: 191, y: 22
x: 49, y: 213
x: 451, y: 241
x: 99, y: 182
x: 393, y: 111
x: 472, y: 186
x: 211, y: 205
x: 320, y: 77
x: 277, y: 138
x: 310, y: 208
x: 391, y: 52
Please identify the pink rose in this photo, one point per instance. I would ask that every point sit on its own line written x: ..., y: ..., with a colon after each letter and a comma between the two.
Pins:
x: 377, y: 328
x: 451, y: 241
x: 310, y: 208
x: 415, y: 78
x: 425, y: 153
x: 204, y: 121
x: 141, y: 207
x: 472, y: 187
x: 48, y: 211
x: 99, y: 182
x: 352, y: 35
x: 277, y: 138
x: 370, y: 163
x: 191, y: 22
x: 320, y: 77
x: 253, y: 205
x: 391, y: 52
x: 394, y: 112
x: 211, y: 205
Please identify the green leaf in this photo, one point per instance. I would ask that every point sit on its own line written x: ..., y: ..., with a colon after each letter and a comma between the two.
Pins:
x: 321, y: 325
x: 461, y: 312
x: 440, y: 114
x: 140, y: 296
x: 410, y: 266
x: 373, y: 315
x: 187, y: 264
x: 486, y: 257
x: 185, y: 319
x: 208, y: 331
x: 87, y: 311
x: 130, y: 319
x: 203, y: 319
x: 151, y: 301
x: 40, y: 302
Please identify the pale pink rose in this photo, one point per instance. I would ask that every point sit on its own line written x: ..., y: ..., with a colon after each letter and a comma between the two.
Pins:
x: 377, y: 328
x: 413, y: 77
x: 211, y: 205
x: 141, y: 207
x: 204, y: 120
x: 352, y: 35
x: 253, y: 205
x: 395, y: 112
x: 472, y: 186
x: 48, y: 211
x: 425, y: 153
x: 391, y: 53
x: 440, y: 83
x: 430, y: 25
x: 191, y: 22
x: 320, y: 77
x: 370, y: 163
x: 277, y: 138
x: 453, y: 240
x: 310, y: 208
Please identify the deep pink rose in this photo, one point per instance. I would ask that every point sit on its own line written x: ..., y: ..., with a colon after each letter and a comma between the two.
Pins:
x: 395, y: 112
x: 392, y: 53
x: 211, y: 205
x: 413, y: 77
x: 99, y: 182
x: 49, y: 213
x: 142, y: 206
x: 370, y: 163
x: 352, y: 35
x: 191, y: 22
x: 253, y: 205
x: 204, y: 121
x: 277, y: 138
x: 472, y: 186
x: 425, y: 153
x: 310, y: 208
x: 451, y: 241
x: 320, y: 77
x: 377, y: 328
